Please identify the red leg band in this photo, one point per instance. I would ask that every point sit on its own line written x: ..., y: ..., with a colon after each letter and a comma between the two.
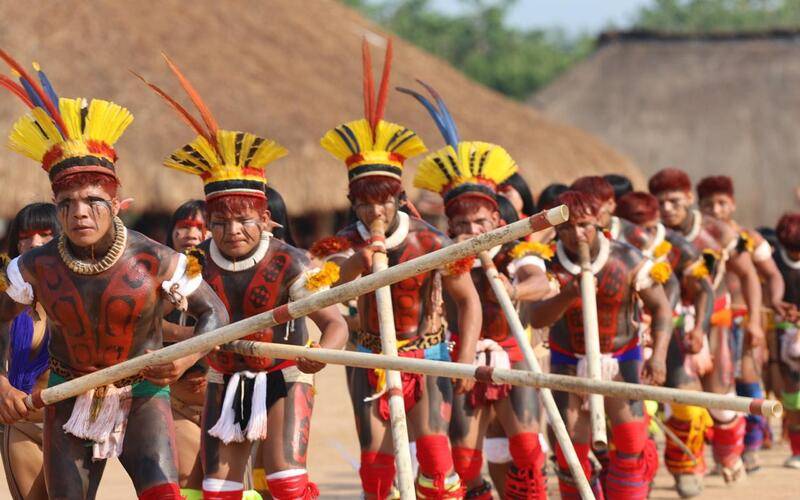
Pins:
x: 728, y: 443
x: 433, y: 453
x: 630, y: 437
x: 222, y: 495
x: 167, y: 491
x: 525, y: 480
x: 377, y: 473
x: 566, y: 485
x: 293, y: 488
x: 468, y: 463
x: 633, y: 462
x: 794, y: 440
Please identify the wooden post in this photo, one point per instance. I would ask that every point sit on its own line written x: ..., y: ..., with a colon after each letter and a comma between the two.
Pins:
x: 394, y: 382
x: 591, y: 342
x: 566, y: 383
x: 300, y: 308
x: 559, y: 428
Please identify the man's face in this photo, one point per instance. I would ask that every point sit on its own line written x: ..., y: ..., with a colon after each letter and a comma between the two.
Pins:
x: 582, y: 228
x: 642, y: 235
x: 513, y: 196
x: 189, y: 233
x: 718, y: 205
x: 474, y: 222
x: 85, y: 214
x: 237, y: 234
x: 370, y: 211
x: 674, y: 206
x: 605, y: 212
x: 32, y: 239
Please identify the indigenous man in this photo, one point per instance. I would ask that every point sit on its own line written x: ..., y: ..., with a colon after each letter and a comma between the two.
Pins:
x: 787, y: 256
x: 602, y: 190
x: 466, y: 175
x: 721, y: 249
x: 105, y: 290
x: 688, y: 358
x: 622, y: 274
x: 249, y: 399
x: 374, y: 151
x: 716, y: 199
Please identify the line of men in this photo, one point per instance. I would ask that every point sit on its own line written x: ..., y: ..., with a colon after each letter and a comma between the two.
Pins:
x: 679, y: 301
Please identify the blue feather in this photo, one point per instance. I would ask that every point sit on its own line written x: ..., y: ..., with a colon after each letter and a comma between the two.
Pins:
x: 34, y: 97
x: 447, y: 118
x: 432, y: 110
x: 48, y: 88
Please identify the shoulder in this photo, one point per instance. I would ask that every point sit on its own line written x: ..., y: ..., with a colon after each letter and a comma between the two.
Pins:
x: 725, y: 234
x: 421, y: 229
x: 29, y: 258
x: 625, y: 252
x: 680, y: 243
x: 296, y: 254
x: 350, y: 233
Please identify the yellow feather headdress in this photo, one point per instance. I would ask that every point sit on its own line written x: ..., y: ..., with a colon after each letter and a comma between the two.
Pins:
x: 462, y: 167
x: 228, y: 162
x: 372, y: 146
x: 66, y: 136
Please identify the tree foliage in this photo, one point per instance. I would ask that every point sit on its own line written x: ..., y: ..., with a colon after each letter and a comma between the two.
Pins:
x: 703, y: 16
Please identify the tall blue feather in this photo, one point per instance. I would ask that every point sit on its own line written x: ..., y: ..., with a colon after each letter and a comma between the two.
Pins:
x: 440, y: 121
x: 34, y: 97
x: 447, y: 118
x: 51, y: 93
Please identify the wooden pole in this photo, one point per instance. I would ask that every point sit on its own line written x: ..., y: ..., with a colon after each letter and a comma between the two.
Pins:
x: 549, y: 403
x: 300, y: 308
x: 394, y: 382
x: 591, y: 342
x: 566, y: 383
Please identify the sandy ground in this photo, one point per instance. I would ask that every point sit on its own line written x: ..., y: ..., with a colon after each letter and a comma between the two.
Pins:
x: 333, y: 459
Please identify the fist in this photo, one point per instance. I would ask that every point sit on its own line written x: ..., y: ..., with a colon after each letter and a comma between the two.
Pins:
x: 310, y: 366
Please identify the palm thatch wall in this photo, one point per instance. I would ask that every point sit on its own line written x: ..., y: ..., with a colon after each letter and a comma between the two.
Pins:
x: 285, y: 69
x: 716, y: 104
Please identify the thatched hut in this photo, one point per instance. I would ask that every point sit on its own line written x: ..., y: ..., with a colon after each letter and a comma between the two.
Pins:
x: 285, y: 69
x: 713, y: 104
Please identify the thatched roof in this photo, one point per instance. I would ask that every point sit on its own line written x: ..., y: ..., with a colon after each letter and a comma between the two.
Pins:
x: 713, y: 104
x: 285, y: 69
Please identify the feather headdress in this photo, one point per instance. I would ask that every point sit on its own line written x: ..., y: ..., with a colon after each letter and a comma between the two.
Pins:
x: 373, y: 146
x: 66, y: 136
x: 228, y: 162
x: 462, y: 167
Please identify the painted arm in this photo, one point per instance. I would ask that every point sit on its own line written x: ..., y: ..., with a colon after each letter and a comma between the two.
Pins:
x: 546, y: 312
x: 656, y: 303
x: 775, y: 286
x: 172, y: 332
x: 530, y: 285
x: 354, y: 266
x: 461, y: 291
x: 742, y: 265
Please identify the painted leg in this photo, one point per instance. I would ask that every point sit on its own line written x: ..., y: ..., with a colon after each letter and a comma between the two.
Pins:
x: 467, y: 429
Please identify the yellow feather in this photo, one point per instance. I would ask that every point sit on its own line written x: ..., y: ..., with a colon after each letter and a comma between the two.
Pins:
x: 267, y: 152
x: 430, y: 174
x: 226, y: 145
x: 71, y: 114
x: 106, y: 121
x: 247, y: 143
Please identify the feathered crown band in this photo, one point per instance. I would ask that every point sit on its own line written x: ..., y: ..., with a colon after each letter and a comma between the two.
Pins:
x: 228, y: 162
x: 372, y: 146
x: 462, y: 167
x: 65, y: 135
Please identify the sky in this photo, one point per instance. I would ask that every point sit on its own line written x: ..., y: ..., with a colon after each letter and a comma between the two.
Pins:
x: 573, y: 16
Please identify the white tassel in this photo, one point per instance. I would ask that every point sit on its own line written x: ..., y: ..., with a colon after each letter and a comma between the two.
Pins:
x: 226, y: 430
x: 112, y: 447
x: 114, y: 410
x: 257, y: 425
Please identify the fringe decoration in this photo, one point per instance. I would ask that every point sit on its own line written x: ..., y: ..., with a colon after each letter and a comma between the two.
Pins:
x: 662, y: 249
x: 472, y: 162
x: 323, y: 278
x: 536, y: 248
x: 226, y: 429
x: 97, y: 413
x: 660, y: 272
x: 328, y: 246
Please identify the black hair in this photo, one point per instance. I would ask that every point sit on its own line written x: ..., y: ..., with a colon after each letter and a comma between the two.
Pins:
x: 278, y: 214
x: 621, y: 184
x: 507, y: 211
x: 520, y: 186
x: 187, y: 210
x: 36, y: 216
x: 549, y: 195
x: 769, y: 234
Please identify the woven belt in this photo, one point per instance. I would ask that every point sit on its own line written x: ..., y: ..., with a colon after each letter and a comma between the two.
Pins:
x: 64, y: 371
x: 424, y: 341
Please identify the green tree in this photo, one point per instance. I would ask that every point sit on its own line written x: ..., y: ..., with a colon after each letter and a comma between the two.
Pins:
x: 703, y: 16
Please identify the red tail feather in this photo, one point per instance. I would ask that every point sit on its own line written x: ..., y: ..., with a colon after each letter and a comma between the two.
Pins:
x: 383, y: 92
x: 185, y: 115
x: 16, y: 89
x: 208, y: 118
x: 51, y: 108
x: 369, y: 87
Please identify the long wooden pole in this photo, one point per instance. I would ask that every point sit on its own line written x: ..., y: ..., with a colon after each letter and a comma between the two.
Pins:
x: 483, y: 373
x: 559, y: 428
x: 591, y: 341
x: 300, y: 308
x: 394, y: 382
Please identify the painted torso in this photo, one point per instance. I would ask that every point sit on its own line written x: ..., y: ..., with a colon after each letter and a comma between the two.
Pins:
x: 255, y: 290
x: 790, y: 270
x: 615, y: 303
x: 411, y: 298
x: 711, y: 236
x: 100, y: 320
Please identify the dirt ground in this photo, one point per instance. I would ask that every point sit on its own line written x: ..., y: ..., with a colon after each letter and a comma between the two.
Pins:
x: 334, y: 455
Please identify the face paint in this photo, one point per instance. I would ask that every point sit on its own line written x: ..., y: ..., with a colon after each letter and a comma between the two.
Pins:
x: 86, y: 214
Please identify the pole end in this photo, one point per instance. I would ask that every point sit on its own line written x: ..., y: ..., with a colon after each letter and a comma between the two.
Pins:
x: 766, y: 407
x: 599, y: 445
x: 557, y: 215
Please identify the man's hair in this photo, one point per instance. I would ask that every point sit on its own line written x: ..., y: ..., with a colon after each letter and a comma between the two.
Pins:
x: 669, y: 179
x: 788, y: 231
x: 621, y: 184
x: 465, y: 204
x: 108, y: 183
x: 638, y: 207
x: 33, y: 217
x: 507, y: 211
x: 594, y: 185
x: 374, y: 189
x: 715, y: 184
x: 235, y: 203
x: 517, y: 182
x: 549, y: 195
x: 580, y: 204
